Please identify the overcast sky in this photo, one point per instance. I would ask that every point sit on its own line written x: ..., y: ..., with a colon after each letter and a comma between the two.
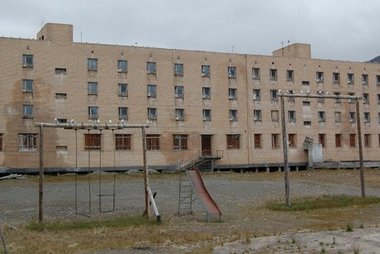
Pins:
x: 336, y: 29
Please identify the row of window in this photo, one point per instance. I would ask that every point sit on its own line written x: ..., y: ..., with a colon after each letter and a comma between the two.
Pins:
x: 179, y: 92
x: 28, y: 141
x: 122, y: 66
x: 152, y: 114
x: 292, y: 140
x: 257, y: 116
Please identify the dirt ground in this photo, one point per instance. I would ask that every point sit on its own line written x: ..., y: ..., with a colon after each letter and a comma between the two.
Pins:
x: 246, y: 227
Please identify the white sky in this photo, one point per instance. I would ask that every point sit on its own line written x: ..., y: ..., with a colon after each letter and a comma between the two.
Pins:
x: 336, y: 29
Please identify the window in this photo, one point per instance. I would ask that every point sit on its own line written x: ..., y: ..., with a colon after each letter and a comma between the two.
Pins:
x: 27, y: 61
x: 292, y: 140
x: 322, y: 139
x: 256, y: 73
x: 122, y: 65
x: 151, y: 91
x: 27, y: 142
x: 92, y: 64
x: 60, y: 71
x: 338, y: 140
x: 378, y: 79
x: 233, y: 115
x: 123, y: 113
x: 256, y: 94
x: 180, y: 142
x: 151, y: 67
x: 231, y: 71
x: 378, y: 99
x: 232, y: 93
x: 290, y: 75
x: 179, y: 91
x: 337, y: 100
x: 92, y: 141
x: 123, y: 142
x: 206, y: 92
x: 257, y: 116
x: 365, y: 98
x: 92, y: 88
x: 62, y: 120
x: 1, y: 142
x: 351, y: 100
x: 321, y: 116
x: 27, y: 111
x: 292, y: 116
x: 258, y: 141
x: 350, y: 78
x: 352, y: 117
x: 307, y: 123
x: 275, y: 116
x: 305, y: 86
x: 367, y: 140
x: 27, y: 86
x: 364, y: 79
x: 291, y: 99
x: 319, y: 77
x: 179, y: 114
x: 336, y: 77
x: 275, y: 141
x: 233, y: 141
x: 152, y: 142
x: 152, y: 114
x: 352, y: 140
x: 367, y: 117
x: 273, y: 74
x: 338, y: 116
x: 205, y: 70
x: 178, y: 69
x: 61, y: 95
x: 93, y: 112
x: 206, y: 114
x: 122, y: 90
x: 273, y: 96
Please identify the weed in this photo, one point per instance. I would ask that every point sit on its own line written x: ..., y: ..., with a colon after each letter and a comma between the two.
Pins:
x: 323, y: 250
x: 349, y: 228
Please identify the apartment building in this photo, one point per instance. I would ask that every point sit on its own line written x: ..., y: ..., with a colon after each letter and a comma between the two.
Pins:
x: 193, y: 101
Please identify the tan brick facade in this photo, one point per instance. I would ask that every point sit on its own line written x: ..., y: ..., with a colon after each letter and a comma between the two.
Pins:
x: 60, y: 90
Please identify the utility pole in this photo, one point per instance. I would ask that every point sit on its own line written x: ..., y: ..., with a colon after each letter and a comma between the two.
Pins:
x: 285, y: 150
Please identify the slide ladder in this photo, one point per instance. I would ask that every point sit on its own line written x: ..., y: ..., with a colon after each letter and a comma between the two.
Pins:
x: 212, y: 210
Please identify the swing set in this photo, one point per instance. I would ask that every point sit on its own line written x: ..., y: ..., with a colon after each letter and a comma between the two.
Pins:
x: 150, y: 203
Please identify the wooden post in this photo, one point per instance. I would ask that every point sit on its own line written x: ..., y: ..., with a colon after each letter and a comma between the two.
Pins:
x: 285, y: 150
x: 41, y: 177
x: 146, y: 175
x: 358, y: 125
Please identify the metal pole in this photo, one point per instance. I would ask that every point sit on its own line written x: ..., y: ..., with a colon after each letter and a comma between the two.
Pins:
x: 285, y: 150
x: 146, y: 176
x: 41, y: 177
x: 358, y: 125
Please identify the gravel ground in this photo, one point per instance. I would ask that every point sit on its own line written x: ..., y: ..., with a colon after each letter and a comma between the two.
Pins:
x: 240, y: 196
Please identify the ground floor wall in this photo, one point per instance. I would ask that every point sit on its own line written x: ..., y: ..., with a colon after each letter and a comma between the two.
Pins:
x: 65, y: 150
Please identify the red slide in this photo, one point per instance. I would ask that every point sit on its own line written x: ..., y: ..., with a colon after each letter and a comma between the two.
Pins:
x: 212, y: 209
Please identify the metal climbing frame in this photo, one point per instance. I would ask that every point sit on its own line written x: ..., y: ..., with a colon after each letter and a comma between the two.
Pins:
x: 186, y: 196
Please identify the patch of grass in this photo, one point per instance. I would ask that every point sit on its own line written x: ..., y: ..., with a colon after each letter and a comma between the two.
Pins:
x: 118, y: 222
x: 324, y: 202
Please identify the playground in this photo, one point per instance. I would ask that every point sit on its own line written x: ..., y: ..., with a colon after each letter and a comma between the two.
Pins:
x: 241, y: 197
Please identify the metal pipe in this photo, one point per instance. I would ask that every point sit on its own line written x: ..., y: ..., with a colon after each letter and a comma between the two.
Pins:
x: 41, y: 177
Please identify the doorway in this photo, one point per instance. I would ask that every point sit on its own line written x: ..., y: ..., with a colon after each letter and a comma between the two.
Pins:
x: 206, y: 145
